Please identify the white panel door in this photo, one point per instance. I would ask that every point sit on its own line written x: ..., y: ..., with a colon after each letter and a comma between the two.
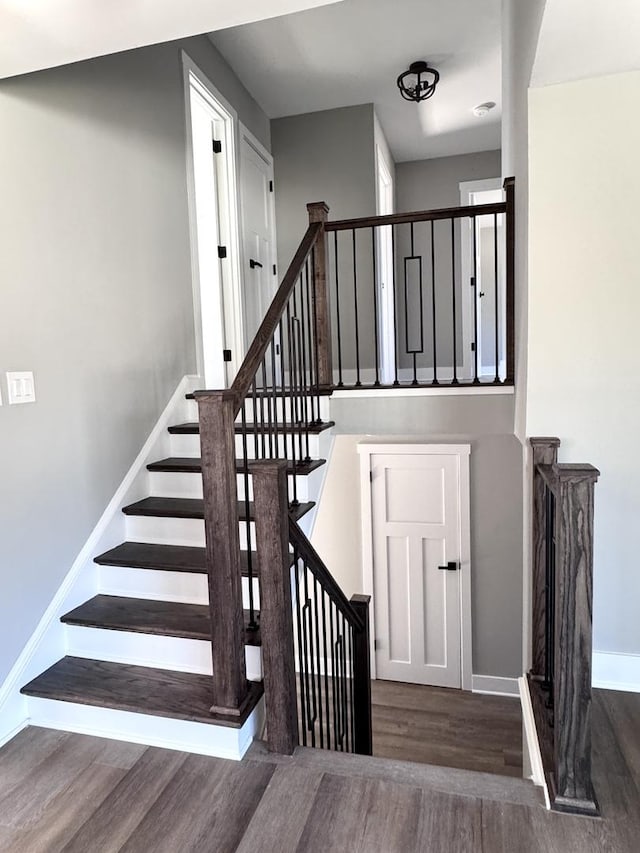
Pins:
x: 258, y: 234
x: 416, y: 536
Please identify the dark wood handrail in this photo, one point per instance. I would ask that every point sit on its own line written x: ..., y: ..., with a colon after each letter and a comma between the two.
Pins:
x: 325, y: 578
x: 418, y: 216
x: 253, y: 359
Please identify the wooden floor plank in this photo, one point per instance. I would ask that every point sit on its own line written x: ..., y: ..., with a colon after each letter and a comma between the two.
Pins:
x: 207, y: 805
x: 118, y: 815
x: 363, y: 815
x: 457, y: 819
x: 68, y: 810
x: 24, y: 752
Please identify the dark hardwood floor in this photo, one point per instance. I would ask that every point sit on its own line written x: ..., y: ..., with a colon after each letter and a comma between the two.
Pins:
x: 450, y: 728
x: 72, y: 793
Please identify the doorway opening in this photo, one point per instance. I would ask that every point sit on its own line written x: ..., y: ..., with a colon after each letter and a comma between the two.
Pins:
x: 417, y: 568
x: 214, y: 228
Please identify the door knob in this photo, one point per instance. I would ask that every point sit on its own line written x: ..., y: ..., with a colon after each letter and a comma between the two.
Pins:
x: 450, y: 567
x: 253, y: 264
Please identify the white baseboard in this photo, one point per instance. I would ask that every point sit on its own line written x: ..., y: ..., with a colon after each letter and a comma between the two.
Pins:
x: 616, y: 671
x: 184, y: 735
x: 531, y: 739
x: 495, y: 685
x: 47, y: 644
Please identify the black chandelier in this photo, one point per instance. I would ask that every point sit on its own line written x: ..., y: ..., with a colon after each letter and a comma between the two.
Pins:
x: 419, y: 82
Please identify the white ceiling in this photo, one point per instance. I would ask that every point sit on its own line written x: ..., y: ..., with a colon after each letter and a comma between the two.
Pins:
x: 587, y: 38
x: 36, y: 34
x: 352, y: 53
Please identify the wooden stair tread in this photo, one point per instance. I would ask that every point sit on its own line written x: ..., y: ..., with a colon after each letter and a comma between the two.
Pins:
x: 193, y: 508
x: 140, y: 689
x: 321, y: 391
x: 143, y: 616
x: 193, y: 428
x: 193, y: 465
x: 169, y: 558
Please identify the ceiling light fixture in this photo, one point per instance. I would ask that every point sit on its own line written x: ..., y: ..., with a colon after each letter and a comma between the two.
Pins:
x: 419, y: 82
x: 483, y: 109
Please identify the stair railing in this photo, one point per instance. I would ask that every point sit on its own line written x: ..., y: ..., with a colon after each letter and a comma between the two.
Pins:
x: 276, y: 395
x: 561, y: 628
x: 424, y: 298
x: 308, y: 627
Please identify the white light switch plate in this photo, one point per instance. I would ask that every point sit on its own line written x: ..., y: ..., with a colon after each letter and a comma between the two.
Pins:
x: 21, y: 387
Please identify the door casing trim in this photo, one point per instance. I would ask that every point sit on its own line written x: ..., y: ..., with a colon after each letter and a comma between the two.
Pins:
x: 398, y: 445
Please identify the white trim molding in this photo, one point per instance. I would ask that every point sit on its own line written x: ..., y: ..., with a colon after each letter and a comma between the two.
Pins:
x: 398, y: 445
x: 442, y: 391
x: 616, y: 671
x: 531, y: 739
x: 495, y: 685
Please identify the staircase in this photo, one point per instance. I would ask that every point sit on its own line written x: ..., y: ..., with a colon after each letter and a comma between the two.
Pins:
x: 153, y: 608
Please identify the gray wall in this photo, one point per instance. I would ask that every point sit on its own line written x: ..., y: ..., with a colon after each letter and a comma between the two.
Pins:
x: 95, y: 296
x: 428, y: 185
x: 496, y: 505
x: 329, y: 156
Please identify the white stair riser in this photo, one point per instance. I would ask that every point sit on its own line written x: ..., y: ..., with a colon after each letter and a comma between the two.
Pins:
x: 175, y: 531
x: 178, y: 484
x: 151, y: 650
x: 183, y: 735
x: 189, y: 445
x: 182, y: 587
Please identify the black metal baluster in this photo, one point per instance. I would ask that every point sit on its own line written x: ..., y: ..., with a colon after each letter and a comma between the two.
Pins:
x: 345, y: 727
x: 295, y: 501
x: 303, y: 697
x: 315, y: 340
x: 395, y: 325
x: 310, y: 684
x: 326, y: 669
x: 309, y: 312
x: 433, y: 303
x: 453, y: 301
x: 474, y: 223
x: 304, y: 401
x: 334, y: 702
x: 254, y: 424
x: 353, y: 721
x: 375, y: 304
x: 318, y: 665
x: 355, y: 306
x: 339, y: 330
x: 406, y: 309
x: 495, y: 293
x: 253, y: 625
x: 267, y: 399
x: 274, y: 402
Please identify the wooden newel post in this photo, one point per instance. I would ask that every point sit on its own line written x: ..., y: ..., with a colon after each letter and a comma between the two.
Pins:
x: 573, y: 629
x: 222, y: 543
x: 276, y: 612
x: 544, y: 452
x: 318, y: 211
x: 361, y: 665
x: 510, y: 230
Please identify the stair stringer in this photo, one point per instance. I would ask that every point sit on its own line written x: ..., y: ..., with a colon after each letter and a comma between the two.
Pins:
x: 49, y: 643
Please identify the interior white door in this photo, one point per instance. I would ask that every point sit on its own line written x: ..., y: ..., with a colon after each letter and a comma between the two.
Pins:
x: 416, y: 524
x: 258, y: 233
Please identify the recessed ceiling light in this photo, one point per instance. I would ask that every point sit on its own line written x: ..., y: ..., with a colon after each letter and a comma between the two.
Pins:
x: 483, y: 109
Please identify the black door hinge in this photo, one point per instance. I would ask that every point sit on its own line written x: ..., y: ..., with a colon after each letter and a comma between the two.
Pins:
x: 222, y: 251
x: 217, y: 146
x: 371, y: 476
x: 270, y: 186
x: 226, y: 355
x: 274, y: 270
x: 473, y: 347
x: 472, y: 281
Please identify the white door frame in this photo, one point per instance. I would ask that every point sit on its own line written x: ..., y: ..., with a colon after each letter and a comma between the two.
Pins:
x: 208, y: 347
x: 246, y: 135
x: 467, y: 190
x: 367, y: 449
x: 385, y: 289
